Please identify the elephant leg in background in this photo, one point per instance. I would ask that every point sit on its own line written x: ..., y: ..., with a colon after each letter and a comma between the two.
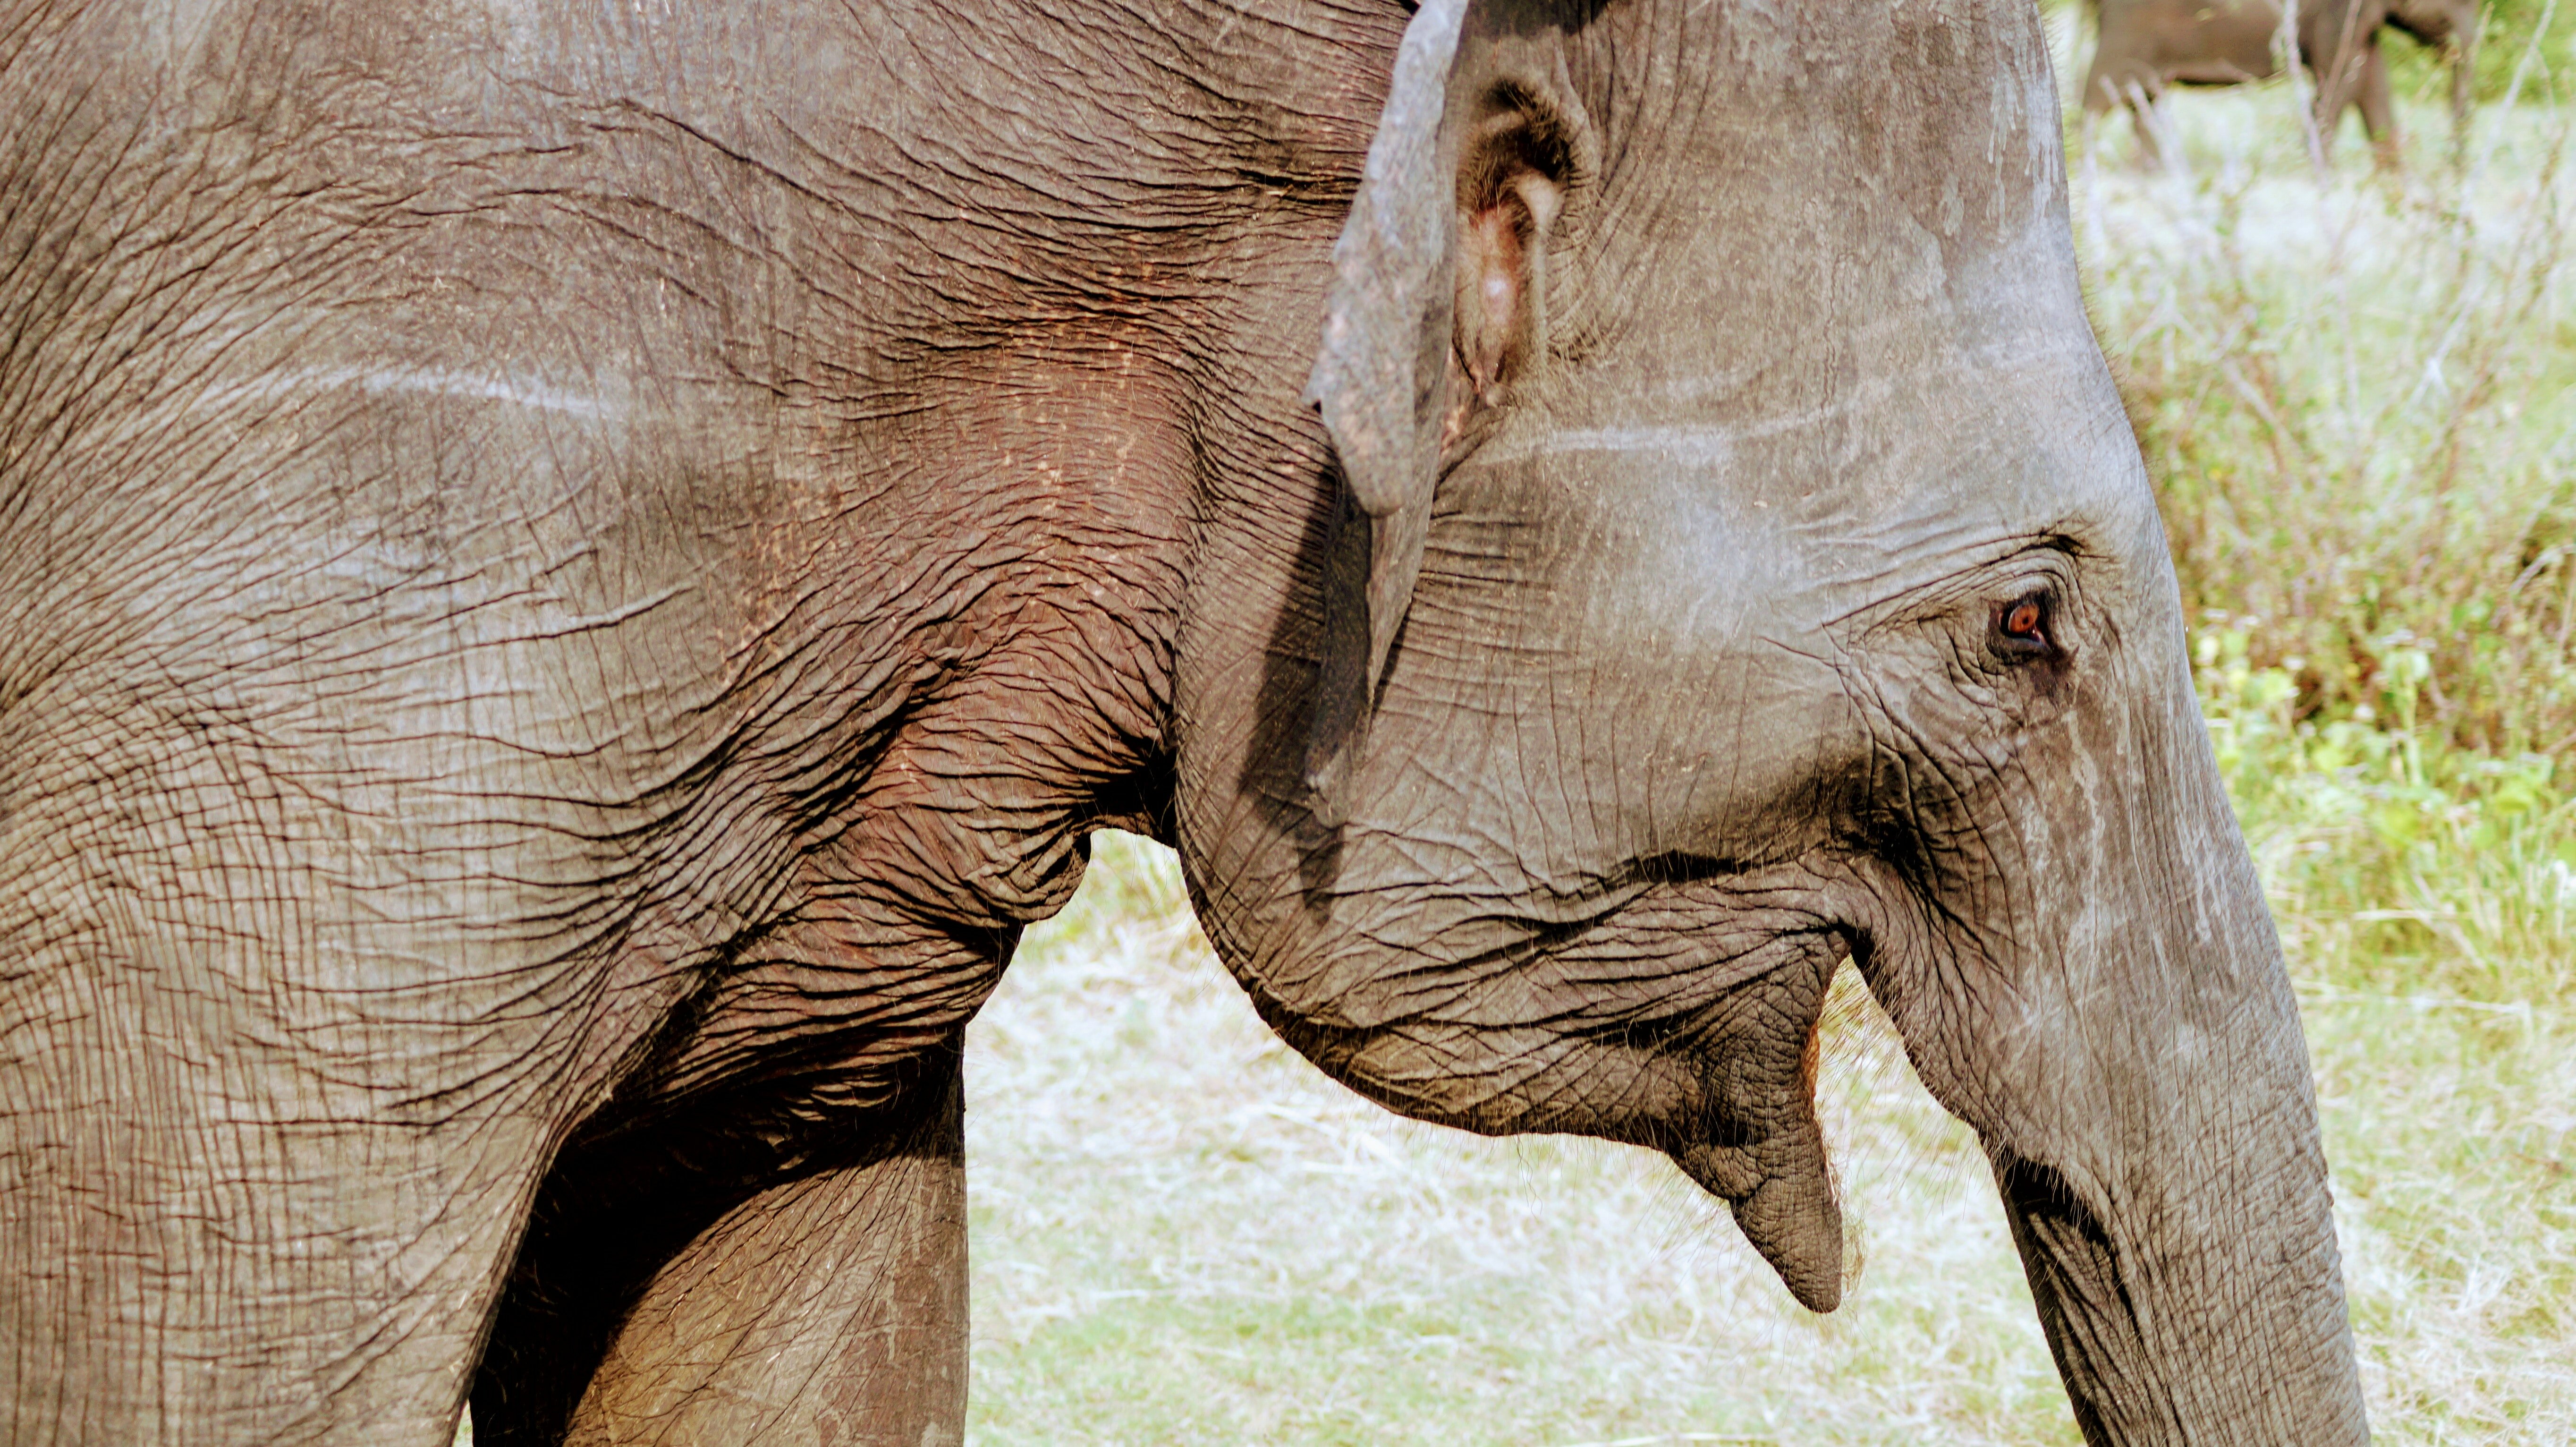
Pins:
x: 2116, y: 79
x: 2101, y: 92
x: 2451, y: 27
x: 2148, y: 121
x: 2337, y: 41
x: 2097, y: 104
x: 2378, y: 104
x: 828, y: 1308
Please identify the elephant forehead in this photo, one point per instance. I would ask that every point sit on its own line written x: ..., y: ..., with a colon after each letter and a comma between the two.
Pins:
x: 1728, y: 490
x: 1946, y: 112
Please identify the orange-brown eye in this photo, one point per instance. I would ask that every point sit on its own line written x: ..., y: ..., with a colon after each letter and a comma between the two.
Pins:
x: 2021, y: 631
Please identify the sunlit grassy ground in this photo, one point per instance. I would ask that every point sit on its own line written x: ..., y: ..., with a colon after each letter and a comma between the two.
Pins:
x: 2355, y: 394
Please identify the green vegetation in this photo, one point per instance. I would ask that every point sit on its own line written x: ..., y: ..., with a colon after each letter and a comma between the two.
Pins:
x: 2358, y: 397
x: 2512, y: 30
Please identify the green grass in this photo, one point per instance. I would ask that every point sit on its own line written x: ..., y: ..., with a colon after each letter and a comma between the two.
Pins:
x: 2355, y: 394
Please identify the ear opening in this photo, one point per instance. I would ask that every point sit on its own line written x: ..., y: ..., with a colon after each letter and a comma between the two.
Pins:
x: 1512, y: 178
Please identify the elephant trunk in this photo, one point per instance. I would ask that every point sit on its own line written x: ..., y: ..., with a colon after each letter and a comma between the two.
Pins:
x: 2104, y: 998
x: 2176, y: 1228
x: 2162, y: 1170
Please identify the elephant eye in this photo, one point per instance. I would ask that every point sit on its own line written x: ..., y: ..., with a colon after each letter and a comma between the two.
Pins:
x: 2021, y: 629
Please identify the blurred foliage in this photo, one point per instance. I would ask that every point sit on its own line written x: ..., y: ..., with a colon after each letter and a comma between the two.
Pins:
x: 2522, y: 52
x: 2356, y: 394
x: 2526, y: 36
x: 2397, y: 862
x: 2365, y: 455
x: 2529, y: 37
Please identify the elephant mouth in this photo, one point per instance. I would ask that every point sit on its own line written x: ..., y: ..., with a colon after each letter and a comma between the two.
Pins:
x: 1760, y: 1146
x: 1781, y: 1190
x: 1718, y: 1074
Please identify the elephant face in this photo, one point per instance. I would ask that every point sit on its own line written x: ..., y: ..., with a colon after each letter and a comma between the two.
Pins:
x: 1747, y: 565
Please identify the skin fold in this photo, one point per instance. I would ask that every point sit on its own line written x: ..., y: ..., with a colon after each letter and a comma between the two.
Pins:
x: 2143, y: 46
x: 576, y: 574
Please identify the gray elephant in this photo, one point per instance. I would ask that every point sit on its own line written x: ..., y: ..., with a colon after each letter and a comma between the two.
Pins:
x: 2144, y: 46
x: 575, y: 574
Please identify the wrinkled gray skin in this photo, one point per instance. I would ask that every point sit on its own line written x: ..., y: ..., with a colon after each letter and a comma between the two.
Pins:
x: 576, y: 574
x: 2143, y: 46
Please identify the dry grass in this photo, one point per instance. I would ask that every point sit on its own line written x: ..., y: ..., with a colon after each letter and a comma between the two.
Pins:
x: 2354, y: 395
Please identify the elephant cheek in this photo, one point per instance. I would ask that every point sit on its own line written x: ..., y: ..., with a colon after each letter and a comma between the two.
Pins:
x: 1763, y: 1150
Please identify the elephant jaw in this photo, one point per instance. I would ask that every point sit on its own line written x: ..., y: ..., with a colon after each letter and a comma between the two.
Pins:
x: 1725, y: 1085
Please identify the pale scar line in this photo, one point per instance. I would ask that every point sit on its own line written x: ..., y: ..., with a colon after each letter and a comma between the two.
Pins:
x: 421, y: 379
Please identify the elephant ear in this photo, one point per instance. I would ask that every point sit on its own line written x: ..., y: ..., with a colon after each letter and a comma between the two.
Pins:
x: 1381, y: 383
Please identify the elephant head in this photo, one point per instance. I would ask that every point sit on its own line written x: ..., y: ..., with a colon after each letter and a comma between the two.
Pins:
x: 1745, y: 564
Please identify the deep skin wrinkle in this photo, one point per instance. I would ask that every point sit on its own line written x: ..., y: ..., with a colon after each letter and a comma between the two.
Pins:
x: 577, y: 575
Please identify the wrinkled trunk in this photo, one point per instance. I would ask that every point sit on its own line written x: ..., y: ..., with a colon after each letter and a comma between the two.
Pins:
x: 2141, y: 1083
x: 2185, y: 1267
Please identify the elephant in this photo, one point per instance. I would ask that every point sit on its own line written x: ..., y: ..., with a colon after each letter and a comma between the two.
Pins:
x: 578, y: 573
x: 2143, y: 46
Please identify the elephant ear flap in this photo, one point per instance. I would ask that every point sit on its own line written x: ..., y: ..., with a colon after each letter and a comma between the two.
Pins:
x: 1381, y: 383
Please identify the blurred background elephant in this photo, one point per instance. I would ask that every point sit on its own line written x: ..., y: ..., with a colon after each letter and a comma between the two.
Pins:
x: 576, y: 575
x: 2144, y: 46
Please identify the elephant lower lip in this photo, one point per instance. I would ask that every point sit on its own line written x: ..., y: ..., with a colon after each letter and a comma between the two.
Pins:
x: 1758, y: 1144
x: 1783, y: 1199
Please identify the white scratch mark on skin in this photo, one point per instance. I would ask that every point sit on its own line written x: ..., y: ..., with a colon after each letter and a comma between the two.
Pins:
x: 468, y: 384
x: 1701, y: 444
x: 423, y: 379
